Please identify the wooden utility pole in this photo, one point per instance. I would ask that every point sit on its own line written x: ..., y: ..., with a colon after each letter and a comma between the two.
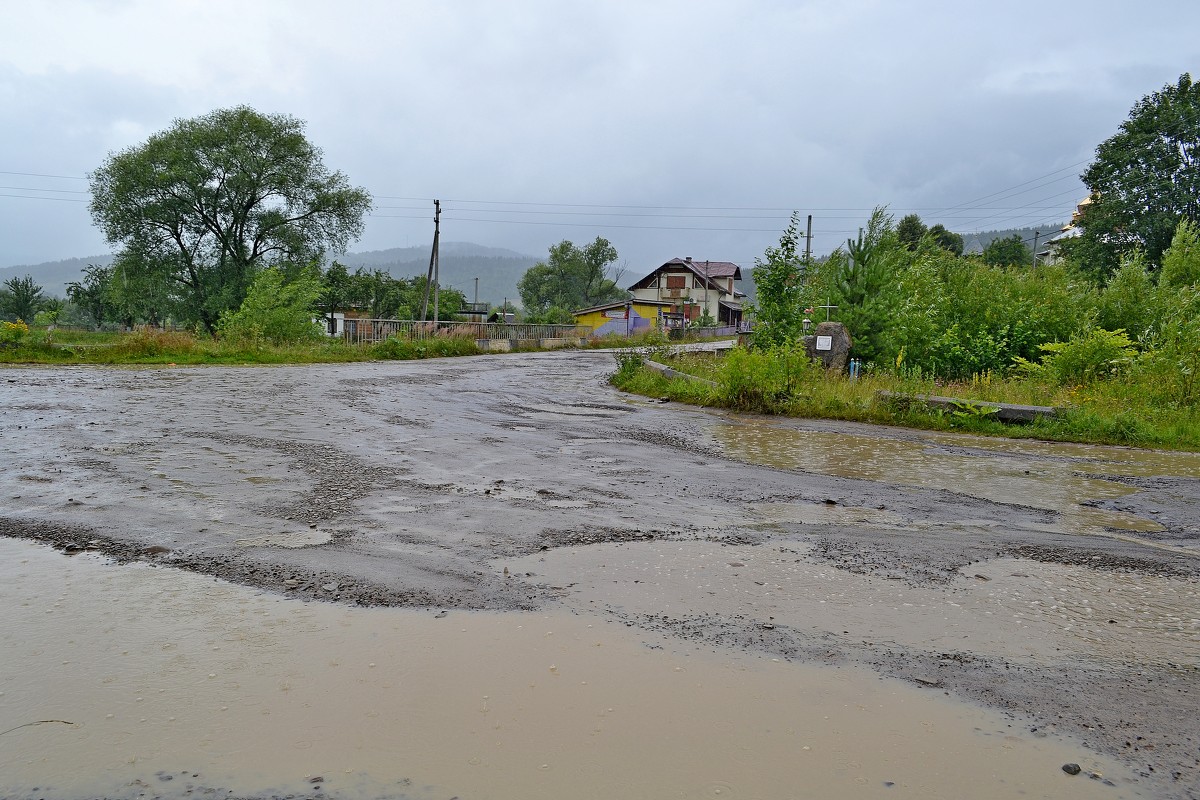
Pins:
x: 432, y: 275
x: 1036, y: 235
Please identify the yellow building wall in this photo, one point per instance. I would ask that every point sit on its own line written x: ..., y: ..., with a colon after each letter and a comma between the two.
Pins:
x: 597, y: 321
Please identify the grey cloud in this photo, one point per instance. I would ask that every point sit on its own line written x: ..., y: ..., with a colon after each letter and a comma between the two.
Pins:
x: 812, y: 106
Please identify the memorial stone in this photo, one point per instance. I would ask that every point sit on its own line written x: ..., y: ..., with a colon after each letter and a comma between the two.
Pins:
x: 830, y: 344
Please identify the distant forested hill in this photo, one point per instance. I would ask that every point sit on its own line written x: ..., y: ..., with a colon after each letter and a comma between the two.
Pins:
x: 975, y: 242
x: 460, y: 263
x: 53, y: 276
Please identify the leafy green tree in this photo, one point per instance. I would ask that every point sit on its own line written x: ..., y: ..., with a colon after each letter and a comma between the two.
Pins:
x: 337, y: 290
x: 865, y: 279
x: 1145, y: 179
x: 141, y: 290
x: 384, y: 296
x: 570, y: 278
x: 92, y: 294
x: 377, y: 292
x: 947, y: 240
x: 1130, y: 302
x: 21, y: 299
x: 1007, y: 252
x: 50, y: 311
x: 213, y: 200
x: 911, y: 231
x: 412, y: 294
x: 1181, y: 261
x: 780, y: 280
x: 275, y: 309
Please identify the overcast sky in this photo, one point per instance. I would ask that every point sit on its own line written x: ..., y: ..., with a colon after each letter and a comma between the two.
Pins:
x: 670, y: 128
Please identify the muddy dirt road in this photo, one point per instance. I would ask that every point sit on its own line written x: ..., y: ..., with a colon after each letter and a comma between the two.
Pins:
x: 1055, y: 588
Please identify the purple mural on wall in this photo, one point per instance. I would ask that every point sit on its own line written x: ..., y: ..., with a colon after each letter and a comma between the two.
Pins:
x: 622, y: 326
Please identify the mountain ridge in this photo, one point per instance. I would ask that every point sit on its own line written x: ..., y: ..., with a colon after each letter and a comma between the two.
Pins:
x: 459, y: 264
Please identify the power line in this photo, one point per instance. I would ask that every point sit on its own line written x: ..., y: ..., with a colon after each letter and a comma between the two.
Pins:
x: 1017, y: 186
x: 697, y: 216
x: 53, y: 191
x: 41, y: 175
x: 748, y: 213
x: 1009, y: 217
x: 614, y: 225
x: 399, y: 216
x: 35, y: 197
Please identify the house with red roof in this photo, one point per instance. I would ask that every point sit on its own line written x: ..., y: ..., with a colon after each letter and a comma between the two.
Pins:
x: 695, y: 289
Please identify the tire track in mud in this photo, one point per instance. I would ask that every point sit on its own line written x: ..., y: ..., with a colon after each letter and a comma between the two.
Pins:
x: 271, y: 572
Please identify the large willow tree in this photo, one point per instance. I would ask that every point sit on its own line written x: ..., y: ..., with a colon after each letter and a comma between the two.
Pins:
x: 203, y: 206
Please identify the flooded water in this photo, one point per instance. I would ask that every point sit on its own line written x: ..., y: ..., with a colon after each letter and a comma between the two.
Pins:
x: 149, y: 681
x: 1054, y: 477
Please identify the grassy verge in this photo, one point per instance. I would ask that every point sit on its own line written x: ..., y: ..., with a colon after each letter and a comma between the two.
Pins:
x: 1103, y: 412
x: 176, y: 347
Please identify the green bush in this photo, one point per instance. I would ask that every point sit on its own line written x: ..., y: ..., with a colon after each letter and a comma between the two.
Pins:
x: 149, y: 343
x: 402, y: 349
x: 1130, y: 302
x: 951, y: 316
x: 1094, y: 355
x: 757, y: 380
x: 1181, y: 261
x: 629, y: 362
x: 1170, y: 368
x: 12, y: 333
x: 274, y: 310
x: 959, y: 354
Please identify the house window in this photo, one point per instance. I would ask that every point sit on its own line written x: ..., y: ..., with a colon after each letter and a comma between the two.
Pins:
x: 653, y: 284
x: 676, y: 281
x: 697, y: 283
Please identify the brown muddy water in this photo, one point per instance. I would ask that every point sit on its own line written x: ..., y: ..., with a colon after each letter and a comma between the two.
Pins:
x: 170, y: 684
x: 1061, y: 477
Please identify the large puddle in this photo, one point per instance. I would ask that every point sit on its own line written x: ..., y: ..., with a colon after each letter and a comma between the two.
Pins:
x: 1042, y: 475
x: 133, y: 681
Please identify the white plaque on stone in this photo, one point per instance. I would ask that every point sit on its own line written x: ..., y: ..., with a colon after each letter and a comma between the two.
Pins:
x: 824, y: 342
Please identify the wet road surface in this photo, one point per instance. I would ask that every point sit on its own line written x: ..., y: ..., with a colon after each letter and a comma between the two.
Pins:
x: 1052, y: 589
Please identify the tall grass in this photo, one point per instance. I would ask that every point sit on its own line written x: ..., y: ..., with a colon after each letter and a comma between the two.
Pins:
x: 153, y: 346
x: 1110, y: 411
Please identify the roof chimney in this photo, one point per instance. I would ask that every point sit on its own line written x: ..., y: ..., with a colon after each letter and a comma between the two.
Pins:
x: 688, y: 259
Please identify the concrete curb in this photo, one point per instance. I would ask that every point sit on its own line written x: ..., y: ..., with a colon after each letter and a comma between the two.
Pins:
x: 668, y: 372
x: 1005, y: 412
